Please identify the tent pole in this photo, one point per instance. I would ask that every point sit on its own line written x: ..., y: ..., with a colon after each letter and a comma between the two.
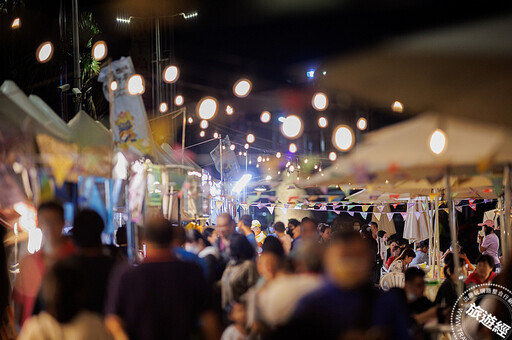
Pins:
x: 453, y: 232
x: 503, y: 232
x: 437, y: 259
x: 506, y: 209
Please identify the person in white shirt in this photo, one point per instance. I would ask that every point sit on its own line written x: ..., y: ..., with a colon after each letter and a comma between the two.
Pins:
x: 421, y: 253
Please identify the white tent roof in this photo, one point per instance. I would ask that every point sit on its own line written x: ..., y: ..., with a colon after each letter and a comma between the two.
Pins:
x: 402, y: 152
x: 88, y: 132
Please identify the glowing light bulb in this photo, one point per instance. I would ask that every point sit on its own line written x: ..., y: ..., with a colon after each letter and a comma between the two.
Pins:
x: 306, y: 161
x: 179, y: 100
x: 438, y: 141
x: 203, y: 124
x: 246, y: 146
x: 259, y: 159
x: 202, y: 133
x: 397, y: 106
x: 215, y: 135
x: 229, y: 110
x: 136, y: 85
x: 362, y: 123
x: 322, y: 122
x: 332, y: 156
x: 190, y: 120
x: 292, y: 127
x: 242, y: 88
x: 16, y: 23
x: 113, y: 85
x: 207, y: 108
x: 44, y: 52
x: 99, y: 50
x: 171, y: 74
x: 163, y: 107
x: 265, y: 117
x: 293, y: 148
x: 278, y: 155
x: 291, y: 168
x: 320, y: 101
x: 343, y: 138
x: 250, y: 138
x: 232, y: 147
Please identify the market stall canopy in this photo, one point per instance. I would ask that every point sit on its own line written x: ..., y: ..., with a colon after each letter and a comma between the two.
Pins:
x: 15, y: 108
x: 402, y: 152
x: 463, y: 71
x: 88, y: 132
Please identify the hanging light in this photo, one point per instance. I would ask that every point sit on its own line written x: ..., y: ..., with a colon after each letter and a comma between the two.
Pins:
x: 245, y: 153
x: 215, y: 135
x: 362, y: 123
x: 163, y: 107
x: 257, y: 165
x: 268, y: 159
x: 397, y: 106
x: 232, y: 147
x: 343, y: 138
x: 265, y: 117
x: 190, y: 120
x: 239, y: 153
x: 136, y: 85
x: 44, y: 52
x: 229, y: 110
x: 259, y: 159
x: 242, y: 88
x: 246, y: 146
x: 179, y: 100
x: 291, y: 168
x: 316, y: 166
x: 332, y: 156
x: 99, y: 50
x: 288, y: 164
x: 203, y: 124
x: 250, y: 138
x: 320, y: 101
x: 292, y: 127
x: 322, y: 122
x: 293, y: 148
x: 202, y: 133
x: 278, y: 155
x: 207, y: 108
x: 113, y: 85
x: 171, y: 74
x: 306, y: 161
x: 16, y: 23
x: 438, y: 141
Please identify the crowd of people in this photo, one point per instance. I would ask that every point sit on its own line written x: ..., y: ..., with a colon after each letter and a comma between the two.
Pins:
x: 235, y: 281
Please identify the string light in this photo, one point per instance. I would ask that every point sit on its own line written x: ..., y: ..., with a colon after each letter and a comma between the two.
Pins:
x: 203, y: 124
x: 291, y: 168
x: 232, y: 147
x: 397, y: 106
x: 343, y: 138
x: 278, y: 155
x: 322, y: 122
x: 437, y: 141
x: 44, y: 52
x: 362, y: 123
x: 239, y: 153
x: 245, y: 154
x: 229, y: 110
x: 136, y: 85
x: 16, y: 23
x: 171, y: 74
x: 242, y: 88
x: 179, y: 100
x: 268, y: 159
x: 246, y: 146
x: 215, y: 135
x: 293, y: 148
x: 190, y: 120
x: 207, y: 108
x: 320, y: 101
x: 265, y: 117
x: 113, y: 85
x: 163, y: 107
x: 250, y: 138
x: 259, y: 159
x: 332, y: 156
x: 99, y: 50
x: 292, y: 127
x: 202, y: 133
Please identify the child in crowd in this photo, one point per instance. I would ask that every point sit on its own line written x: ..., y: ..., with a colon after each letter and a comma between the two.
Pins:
x: 237, y: 330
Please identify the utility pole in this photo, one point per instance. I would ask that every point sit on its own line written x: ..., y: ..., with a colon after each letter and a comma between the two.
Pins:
x: 76, y: 52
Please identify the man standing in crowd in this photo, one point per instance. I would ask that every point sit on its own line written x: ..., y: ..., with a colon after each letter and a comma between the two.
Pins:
x: 244, y: 227
x: 292, y: 224
x: 171, y: 296
x: 421, y: 253
x: 285, y: 239
x: 94, y: 265
x: 319, y: 315
x: 308, y: 230
x: 55, y: 246
x: 489, y: 244
x: 225, y: 228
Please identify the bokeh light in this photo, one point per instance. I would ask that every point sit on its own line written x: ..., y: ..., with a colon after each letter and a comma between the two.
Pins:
x: 202, y: 133
x: 292, y: 148
x: 171, y: 74
x: 292, y: 127
x: 332, y: 156
x: 278, y: 155
x: 44, y: 52
x: 397, y: 106
x: 437, y: 141
x: 320, y: 101
x: 179, y: 100
x: 203, y: 124
x: 343, y: 138
x: 265, y: 117
x: 362, y: 123
x: 242, y: 88
x: 99, y: 50
x: 229, y: 110
x: 207, y: 108
x: 163, y: 107
x: 113, y: 85
x: 190, y: 120
x: 322, y: 122
x: 250, y: 138
x: 136, y: 85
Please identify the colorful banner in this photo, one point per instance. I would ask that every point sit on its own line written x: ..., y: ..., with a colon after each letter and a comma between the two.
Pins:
x: 128, y: 119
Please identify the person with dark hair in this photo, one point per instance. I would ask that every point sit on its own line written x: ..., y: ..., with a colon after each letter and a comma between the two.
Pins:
x: 285, y: 239
x: 321, y: 315
x: 90, y: 258
x: 490, y: 243
x: 55, y: 246
x: 225, y: 228
x: 395, y: 252
x: 172, y: 296
x: 66, y: 316
x: 292, y: 225
x: 199, y: 245
x: 211, y: 235
x: 241, y: 273
x: 325, y: 233
x: 244, y: 227
x: 421, y: 253
x: 483, y: 272
x: 238, y: 316
x: 308, y: 230
x: 401, y: 262
x: 447, y: 294
x: 382, y: 238
x: 178, y: 246
x: 374, y: 229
